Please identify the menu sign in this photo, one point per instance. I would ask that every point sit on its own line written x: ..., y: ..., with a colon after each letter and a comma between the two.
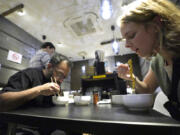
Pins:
x: 14, y: 56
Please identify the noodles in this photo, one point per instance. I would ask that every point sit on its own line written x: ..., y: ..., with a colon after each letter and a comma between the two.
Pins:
x: 131, y: 75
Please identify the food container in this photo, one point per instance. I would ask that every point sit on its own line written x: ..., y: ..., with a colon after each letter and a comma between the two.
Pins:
x: 138, y: 101
x: 117, y: 99
x: 82, y: 100
x: 95, y: 97
x: 60, y: 100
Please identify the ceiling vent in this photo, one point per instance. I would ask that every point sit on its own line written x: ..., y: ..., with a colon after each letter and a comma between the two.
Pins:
x: 82, y: 25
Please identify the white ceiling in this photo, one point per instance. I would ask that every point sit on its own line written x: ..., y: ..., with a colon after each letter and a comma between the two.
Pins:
x: 55, y: 18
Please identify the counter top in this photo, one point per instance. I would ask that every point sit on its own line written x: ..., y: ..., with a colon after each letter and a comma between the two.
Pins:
x: 101, y: 119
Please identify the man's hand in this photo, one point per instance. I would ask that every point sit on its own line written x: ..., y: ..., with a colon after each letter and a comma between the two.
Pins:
x: 49, y: 89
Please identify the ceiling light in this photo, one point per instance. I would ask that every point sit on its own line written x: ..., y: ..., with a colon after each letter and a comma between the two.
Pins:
x: 21, y: 12
x: 115, y: 47
x: 12, y: 10
x: 82, y: 54
x: 60, y: 45
x: 118, y: 63
x: 115, y: 44
x: 83, y: 69
x: 106, y: 9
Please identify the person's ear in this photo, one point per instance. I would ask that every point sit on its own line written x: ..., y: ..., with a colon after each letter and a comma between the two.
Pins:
x: 158, y: 21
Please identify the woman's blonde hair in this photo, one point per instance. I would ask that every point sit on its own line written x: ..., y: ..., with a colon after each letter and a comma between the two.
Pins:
x: 169, y: 18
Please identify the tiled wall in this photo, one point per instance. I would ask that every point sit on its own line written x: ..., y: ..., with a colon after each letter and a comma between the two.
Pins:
x: 16, y: 39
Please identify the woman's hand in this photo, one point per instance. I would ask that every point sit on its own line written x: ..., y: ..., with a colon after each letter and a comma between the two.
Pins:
x: 124, y: 72
x: 49, y: 89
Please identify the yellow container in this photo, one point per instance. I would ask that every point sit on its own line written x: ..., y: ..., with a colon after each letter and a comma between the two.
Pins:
x: 99, y: 76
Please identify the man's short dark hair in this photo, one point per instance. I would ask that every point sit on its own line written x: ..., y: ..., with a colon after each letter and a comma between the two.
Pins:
x: 47, y: 44
x: 58, y: 58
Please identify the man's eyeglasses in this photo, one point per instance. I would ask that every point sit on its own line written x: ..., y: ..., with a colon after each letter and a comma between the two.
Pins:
x: 60, y: 75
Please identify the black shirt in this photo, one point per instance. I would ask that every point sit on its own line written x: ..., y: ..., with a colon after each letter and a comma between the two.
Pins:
x: 26, y: 79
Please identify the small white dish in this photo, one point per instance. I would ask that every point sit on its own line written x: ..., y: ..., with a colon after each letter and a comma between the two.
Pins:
x: 82, y: 100
x: 117, y: 99
x: 60, y: 100
x: 138, y: 102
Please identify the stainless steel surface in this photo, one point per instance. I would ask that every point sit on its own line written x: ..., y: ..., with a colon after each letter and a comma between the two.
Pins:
x: 102, y: 119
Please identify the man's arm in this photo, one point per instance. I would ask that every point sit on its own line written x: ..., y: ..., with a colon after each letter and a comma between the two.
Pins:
x: 12, y: 100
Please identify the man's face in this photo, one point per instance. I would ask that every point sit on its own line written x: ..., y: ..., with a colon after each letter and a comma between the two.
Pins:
x: 61, y: 71
x: 50, y: 51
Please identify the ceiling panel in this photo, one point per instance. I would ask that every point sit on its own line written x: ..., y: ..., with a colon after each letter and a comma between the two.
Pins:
x: 48, y: 17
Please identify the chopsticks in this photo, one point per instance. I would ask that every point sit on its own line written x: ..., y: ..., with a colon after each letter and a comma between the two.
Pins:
x: 131, y: 75
x: 55, y: 82
x: 59, y: 94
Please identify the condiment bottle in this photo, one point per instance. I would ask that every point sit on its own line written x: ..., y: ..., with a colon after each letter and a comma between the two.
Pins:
x: 95, y: 97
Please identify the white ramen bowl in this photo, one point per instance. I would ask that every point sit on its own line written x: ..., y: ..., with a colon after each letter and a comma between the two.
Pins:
x: 138, y: 101
x: 82, y: 100
x: 60, y: 100
x: 117, y: 99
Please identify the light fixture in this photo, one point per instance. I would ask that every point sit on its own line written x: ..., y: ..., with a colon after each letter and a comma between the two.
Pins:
x: 115, y: 44
x: 106, y: 9
x: 115, y: 47
x: 12, y: 10
x: 21, y: 12
x: 82, y: 54
x: 118, y: 63
x: 83, y: 69
x: 60, y: 45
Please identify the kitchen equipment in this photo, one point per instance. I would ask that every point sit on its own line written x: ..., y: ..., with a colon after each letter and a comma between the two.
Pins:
x: 99, y: 64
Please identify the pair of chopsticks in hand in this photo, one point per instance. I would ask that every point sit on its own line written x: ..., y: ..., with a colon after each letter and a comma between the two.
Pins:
x: 131, y: 74
x: 55, y: 82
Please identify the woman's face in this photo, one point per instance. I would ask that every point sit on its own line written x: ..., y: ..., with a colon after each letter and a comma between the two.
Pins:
x: 141, y: 39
